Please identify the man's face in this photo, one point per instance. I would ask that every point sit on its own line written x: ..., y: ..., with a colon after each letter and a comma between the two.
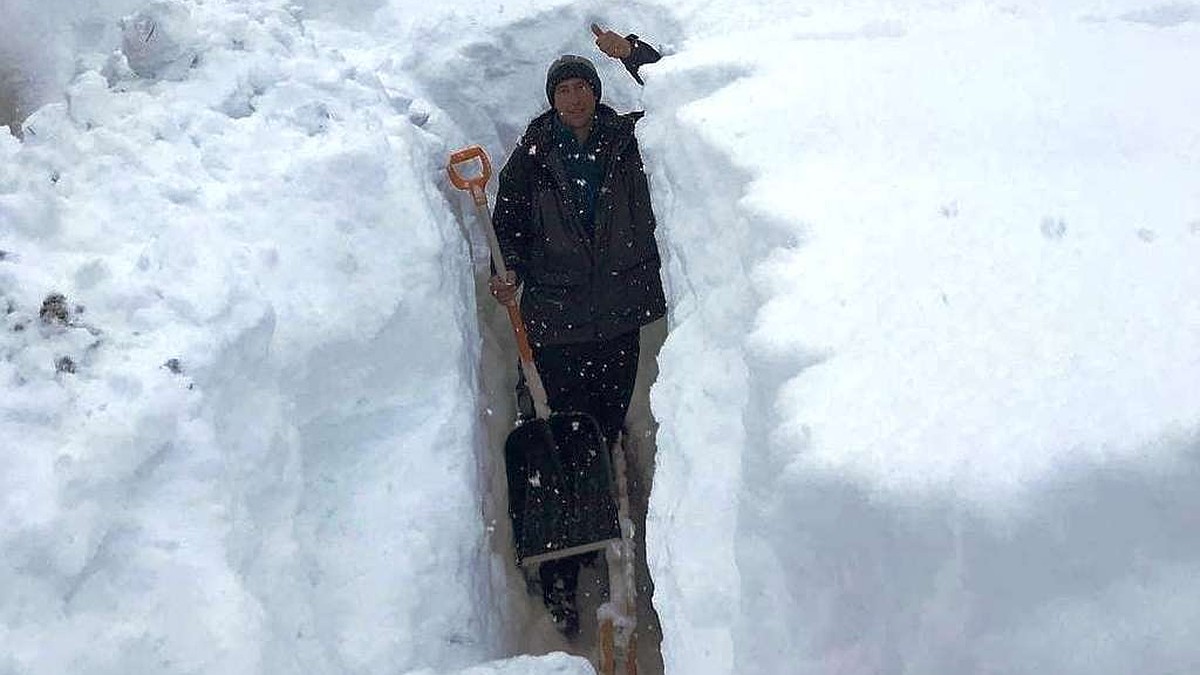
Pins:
x: 575, y: 102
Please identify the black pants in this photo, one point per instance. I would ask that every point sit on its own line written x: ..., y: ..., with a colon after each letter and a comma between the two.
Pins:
x: 595, y: 378
x: 591, y: 377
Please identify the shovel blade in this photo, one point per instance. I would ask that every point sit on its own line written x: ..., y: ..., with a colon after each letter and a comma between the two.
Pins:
x: 560, y: 487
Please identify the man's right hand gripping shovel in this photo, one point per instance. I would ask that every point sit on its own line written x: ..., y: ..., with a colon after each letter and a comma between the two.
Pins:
x: 503, y: 285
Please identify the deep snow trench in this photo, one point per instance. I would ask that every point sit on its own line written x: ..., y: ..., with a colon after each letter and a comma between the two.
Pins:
x: 481, y: 74
x: 927, y: 403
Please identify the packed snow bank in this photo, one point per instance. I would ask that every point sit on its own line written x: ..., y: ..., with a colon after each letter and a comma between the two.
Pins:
x: 248, y: 443
x: 927, y: 403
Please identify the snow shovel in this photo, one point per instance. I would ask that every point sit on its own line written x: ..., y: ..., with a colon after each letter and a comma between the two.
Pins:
x: 560, y: 479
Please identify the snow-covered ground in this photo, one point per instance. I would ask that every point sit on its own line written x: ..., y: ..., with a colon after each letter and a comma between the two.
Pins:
x: 926, y: 404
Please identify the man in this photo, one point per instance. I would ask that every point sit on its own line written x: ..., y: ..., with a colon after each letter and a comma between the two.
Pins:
x: 575, y: 226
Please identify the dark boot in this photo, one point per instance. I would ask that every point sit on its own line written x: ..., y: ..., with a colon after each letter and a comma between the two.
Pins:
x: 559, y: 581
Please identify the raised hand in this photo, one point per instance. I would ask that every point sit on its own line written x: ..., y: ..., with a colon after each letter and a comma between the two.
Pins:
x: 612, y: 43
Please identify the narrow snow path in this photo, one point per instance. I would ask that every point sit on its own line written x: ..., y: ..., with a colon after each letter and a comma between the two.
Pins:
x: 483, y: 86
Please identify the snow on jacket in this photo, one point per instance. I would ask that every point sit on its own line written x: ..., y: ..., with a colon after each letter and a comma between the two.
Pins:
x: 580, y: 284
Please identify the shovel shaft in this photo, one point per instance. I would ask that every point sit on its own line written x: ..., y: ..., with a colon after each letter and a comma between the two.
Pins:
x: 518, y: 325
x: 477, y: 187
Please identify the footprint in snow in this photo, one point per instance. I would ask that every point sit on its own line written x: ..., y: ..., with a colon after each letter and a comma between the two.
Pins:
x: 1054, y: 228
x: 1195, y: 227
x: 949, y: 210
x: 1147, y: 235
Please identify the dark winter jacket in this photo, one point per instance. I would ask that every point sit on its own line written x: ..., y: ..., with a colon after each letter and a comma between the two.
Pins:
x: 580, y: 284
x: 580, y: 234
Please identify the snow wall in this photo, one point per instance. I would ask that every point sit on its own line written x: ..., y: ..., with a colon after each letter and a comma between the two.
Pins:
x: 926, y: 404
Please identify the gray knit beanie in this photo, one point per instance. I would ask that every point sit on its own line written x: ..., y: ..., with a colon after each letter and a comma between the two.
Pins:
x: 567, y: 66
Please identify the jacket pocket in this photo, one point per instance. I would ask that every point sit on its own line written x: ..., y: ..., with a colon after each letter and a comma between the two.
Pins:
x: 549, y: 297
x: 562, y: 258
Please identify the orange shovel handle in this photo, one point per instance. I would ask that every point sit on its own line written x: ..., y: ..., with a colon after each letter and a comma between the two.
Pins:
x: 478, y: 188
x: 477, y: 184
